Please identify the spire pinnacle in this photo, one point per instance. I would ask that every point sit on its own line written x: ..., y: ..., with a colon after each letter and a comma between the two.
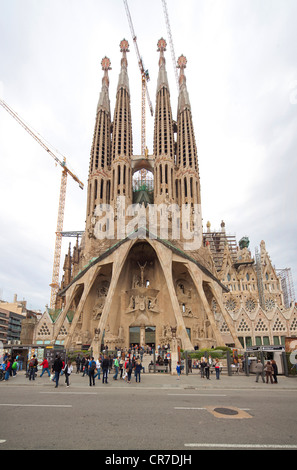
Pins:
x: 161, y: 48
x: 124, y: 45
x: 182, y: 64
x: 123, y: 77
x: 105, y: 64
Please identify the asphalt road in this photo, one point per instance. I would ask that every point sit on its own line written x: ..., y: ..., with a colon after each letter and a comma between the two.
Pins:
x: 174, y: 416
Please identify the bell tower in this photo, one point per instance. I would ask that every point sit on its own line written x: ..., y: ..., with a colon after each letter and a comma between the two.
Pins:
x: 121, y: 151
x: 163, y: 136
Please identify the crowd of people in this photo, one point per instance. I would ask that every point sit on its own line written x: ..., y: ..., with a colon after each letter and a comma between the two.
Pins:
x: 121, y: 365
x: 117, y: 366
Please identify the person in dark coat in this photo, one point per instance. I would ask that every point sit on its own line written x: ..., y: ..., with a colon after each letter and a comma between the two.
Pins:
x: 275, y: 371
x: 57, y: 367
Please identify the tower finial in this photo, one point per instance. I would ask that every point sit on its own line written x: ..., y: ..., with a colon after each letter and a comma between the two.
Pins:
x: 181, y: 64
x: 161, y: 48
x: 105, y: 64
x: 124, y: 47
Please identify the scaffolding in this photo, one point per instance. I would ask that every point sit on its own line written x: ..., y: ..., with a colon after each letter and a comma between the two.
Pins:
x: 287, y: 286
x: 217, y: 242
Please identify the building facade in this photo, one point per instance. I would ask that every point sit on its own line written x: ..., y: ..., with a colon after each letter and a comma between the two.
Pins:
x: 144, y: 271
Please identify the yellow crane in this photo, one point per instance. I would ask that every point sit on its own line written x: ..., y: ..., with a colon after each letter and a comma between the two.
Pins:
x: 65, y: 171
x: 145, y: 77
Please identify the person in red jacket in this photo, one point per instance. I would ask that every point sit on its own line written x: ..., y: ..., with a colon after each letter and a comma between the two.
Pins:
x: 45, y: 368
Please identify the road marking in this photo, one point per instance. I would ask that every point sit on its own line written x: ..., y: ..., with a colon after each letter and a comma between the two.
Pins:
x: 195, y: 395
x: 194, y: 408
x: 187, y: 408
x: 2, y: 441
x: 243, y: 446
x: 72, y: 393
x: 22, y: 404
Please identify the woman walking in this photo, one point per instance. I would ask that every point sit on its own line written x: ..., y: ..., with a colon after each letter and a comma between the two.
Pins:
x: 67, y: 371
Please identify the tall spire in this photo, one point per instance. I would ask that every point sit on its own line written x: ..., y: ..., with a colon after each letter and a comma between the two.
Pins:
x: 122, y: 133
x: 99, y: 182
x: 186, y: 150
x: 163, y: 134
x: 186, y: 144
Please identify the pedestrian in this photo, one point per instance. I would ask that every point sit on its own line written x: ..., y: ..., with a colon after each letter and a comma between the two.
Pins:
x: 121, y: 367
x: 202, y: 367
x: 45, y: 367
x: 98, y: 367
x: 218, y: 367
x: 116, y: 368
x: 67, y: 371
x: 82, y: 364
x: 78, y: 361
x: 32, y: 367
x: 57, y: 367
x: 7, y: 368
x: 275, y: 371
x: 92, y: 369
x: 105, y: 365
x: 86, y: 367
x: 178, y: 370
x: 269, y: 369
x: 206, y: 368
x: 138, y: 369
x: 129, y: 368
x: 259, y: 369
x: 14, y: 367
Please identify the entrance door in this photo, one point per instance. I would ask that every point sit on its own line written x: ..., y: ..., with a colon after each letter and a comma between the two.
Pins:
x: 150, y: 336
x: 134, y: 335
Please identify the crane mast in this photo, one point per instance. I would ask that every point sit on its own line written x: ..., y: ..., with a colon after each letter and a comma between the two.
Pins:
x: 144, y: 90
x: 170, y: 40
x: 65, y: 171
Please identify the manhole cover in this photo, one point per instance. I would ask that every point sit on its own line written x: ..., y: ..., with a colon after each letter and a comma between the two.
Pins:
x: 226, y: 411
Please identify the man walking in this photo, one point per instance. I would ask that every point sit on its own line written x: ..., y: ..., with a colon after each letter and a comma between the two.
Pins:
x: 57, y: 367
x: 259, y: 369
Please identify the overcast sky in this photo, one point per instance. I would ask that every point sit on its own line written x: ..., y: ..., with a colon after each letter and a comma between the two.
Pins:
x: 242, y: 82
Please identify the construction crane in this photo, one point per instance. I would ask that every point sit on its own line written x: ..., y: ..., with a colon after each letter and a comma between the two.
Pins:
x: 144, y: 90
x: 65, y: 171
x: 170, y: 41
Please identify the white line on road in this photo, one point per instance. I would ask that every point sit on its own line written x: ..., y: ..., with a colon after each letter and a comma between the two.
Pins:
x: 2, y: 441
x: 24, y: 404
x: 243, y: 446
x: 195, y: 395
x: 72, y: 393
x: 194, y: 408
x: 187, y: 408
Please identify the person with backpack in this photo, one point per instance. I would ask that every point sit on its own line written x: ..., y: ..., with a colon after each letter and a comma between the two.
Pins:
x: 14, y: 368
x: 32, y: 367
x: 116, y: 368
x: 92, y: 368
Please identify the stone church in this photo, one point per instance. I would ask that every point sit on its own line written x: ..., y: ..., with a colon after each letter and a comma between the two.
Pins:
x: 144, y: 271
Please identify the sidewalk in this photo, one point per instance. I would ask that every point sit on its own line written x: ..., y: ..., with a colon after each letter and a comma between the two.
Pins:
x: 158, y: 381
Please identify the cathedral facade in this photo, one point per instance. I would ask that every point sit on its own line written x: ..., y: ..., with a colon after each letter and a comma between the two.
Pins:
x: 144, y: 271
